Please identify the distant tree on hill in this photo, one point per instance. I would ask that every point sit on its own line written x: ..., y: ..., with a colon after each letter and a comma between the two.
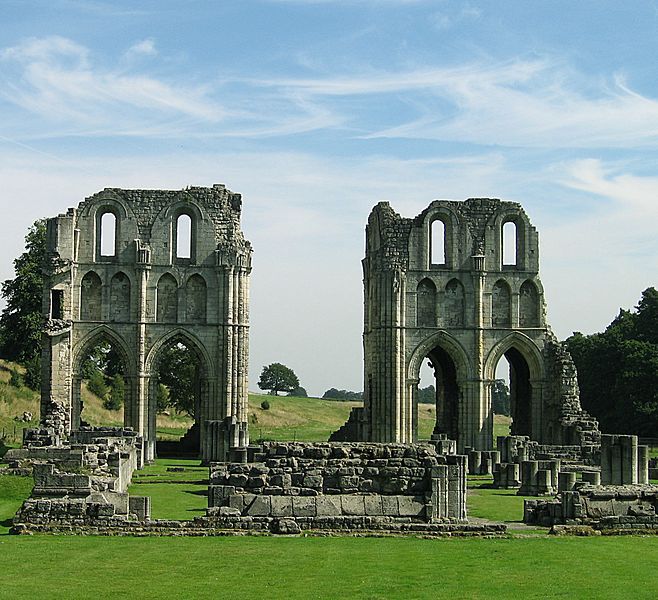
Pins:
x: 342, y: 395
x: 427, y: 395
x: 177, y: 371
x: 21, y: 321
x: 298, y: 392
x: 97, y: 384
x: 278, y: 378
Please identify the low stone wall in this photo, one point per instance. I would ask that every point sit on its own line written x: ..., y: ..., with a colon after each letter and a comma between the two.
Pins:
x: 83, y: 484
x: 325, y: 481
x: 601, y: 507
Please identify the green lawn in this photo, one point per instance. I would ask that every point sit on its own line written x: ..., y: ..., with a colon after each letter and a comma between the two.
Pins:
x: 174, y: 495
x: 262, y: 567
x: 315, y: 567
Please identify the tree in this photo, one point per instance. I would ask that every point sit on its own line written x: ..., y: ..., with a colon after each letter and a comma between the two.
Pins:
x: 178, y: 372
x: 21, y: 321
x: 97, y: 385
x: 342, y: 395
x: 298, y: 392
x: 618, y: 369
x: 427, y: 395
x: 162, y: 399
x: 114, y: 400
x: 278, y: 378
x: 500, y: 397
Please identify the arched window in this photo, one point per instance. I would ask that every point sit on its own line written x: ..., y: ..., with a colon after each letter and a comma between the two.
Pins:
x: 453, y: 314
x: 509, y: 243
x: 167, y: 300
x: 90, y: 297
x: 120, y: 298
x: 426, y: 304
x: 108, y: 234
x: 195, y: 299
x: 528, y: 305
x: 438, y: 243
x: 183, y: 236
x: 501, y: 305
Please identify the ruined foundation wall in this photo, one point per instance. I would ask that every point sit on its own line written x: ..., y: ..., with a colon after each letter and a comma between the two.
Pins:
x: 324, y: 480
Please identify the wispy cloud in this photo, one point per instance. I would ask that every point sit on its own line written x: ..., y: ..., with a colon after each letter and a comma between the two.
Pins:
x: 58, y: 81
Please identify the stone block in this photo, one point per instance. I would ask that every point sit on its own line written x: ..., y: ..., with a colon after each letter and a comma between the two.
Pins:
x: 281, y: 506
x: 410, y: 506
x: 260, y: 506
x: 328, y: 505
x: 304, y: 506
x: 353, y: 504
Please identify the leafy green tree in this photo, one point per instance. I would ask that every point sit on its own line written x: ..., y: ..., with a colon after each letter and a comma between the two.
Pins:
x: 21, y: 321
x: 116, y: 396
x: 178, y: 371
x: 427, y: 395
x: 618, y: 370
x: 162, y: 398
x: 298, y: 392
x: 278, y: 378
x: 500, y: 398
x: 97, y: 384
x: 342, y: 395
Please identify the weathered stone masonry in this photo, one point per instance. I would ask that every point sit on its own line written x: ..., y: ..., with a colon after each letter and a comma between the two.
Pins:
x: 143, y: 295
x: 463, y: 314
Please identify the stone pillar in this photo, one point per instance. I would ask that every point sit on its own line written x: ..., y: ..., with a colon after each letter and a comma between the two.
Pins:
x: 643, y: 465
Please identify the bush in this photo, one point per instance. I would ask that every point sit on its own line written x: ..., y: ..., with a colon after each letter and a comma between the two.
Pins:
x: 97, y: 384
x: 114, y: 400
x: 16, y: 379
x: 265, y: 405
x: 33, y: 373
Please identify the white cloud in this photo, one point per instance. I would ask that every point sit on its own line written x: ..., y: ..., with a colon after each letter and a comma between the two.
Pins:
x: 140, y: 49
x: 58, y: 82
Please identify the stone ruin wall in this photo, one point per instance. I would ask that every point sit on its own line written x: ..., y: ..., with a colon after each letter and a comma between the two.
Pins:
x: 325, y: 481
x: 144, y: 296
x: 464, y: 315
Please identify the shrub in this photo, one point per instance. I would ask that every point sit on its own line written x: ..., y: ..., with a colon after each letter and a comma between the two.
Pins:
x: 114, y: 400
x: 16, y: 379
x: 265, y: 405
x: 97, y: 384
x: 33, y: 373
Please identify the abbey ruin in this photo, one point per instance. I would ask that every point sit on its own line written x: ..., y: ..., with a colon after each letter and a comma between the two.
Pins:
x: 438, y: 288
x: 457, y: 286
x: 147, y: 288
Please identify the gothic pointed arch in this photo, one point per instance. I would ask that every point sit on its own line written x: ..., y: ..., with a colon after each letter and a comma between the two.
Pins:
x: 91, y: 297
x: 426, y: 303
x: 187, y: 338
x: 120, y: 297
x: 529, y: 308
x: 453, y: 310
x: 167, y: 299
x: 196, y: 299
x: 501, y: 304
x: 96, y: 336
x: 443, y: 340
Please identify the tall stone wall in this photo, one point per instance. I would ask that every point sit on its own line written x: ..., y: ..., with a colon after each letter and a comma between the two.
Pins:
x: 447, y: 294
x: 143, y: 289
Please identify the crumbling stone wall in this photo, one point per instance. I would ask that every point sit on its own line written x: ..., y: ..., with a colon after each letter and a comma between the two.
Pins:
x: 82, y: 484
x: 144, y: 295
x: 463, y: 314
x: 325, y: 481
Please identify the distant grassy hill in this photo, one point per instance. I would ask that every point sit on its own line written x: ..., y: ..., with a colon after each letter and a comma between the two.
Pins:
x: 288, y: 418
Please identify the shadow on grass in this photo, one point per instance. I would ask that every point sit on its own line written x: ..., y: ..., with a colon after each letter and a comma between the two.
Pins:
x: 7, y: 522
x: 197, y: 492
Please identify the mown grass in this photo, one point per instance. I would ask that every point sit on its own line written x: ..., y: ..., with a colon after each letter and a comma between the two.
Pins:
x: 13, y: 490
x: 178, y: 495
x: 257, y: 567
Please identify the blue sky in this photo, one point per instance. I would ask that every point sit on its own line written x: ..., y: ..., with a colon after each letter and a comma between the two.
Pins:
x: 315, y: 110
